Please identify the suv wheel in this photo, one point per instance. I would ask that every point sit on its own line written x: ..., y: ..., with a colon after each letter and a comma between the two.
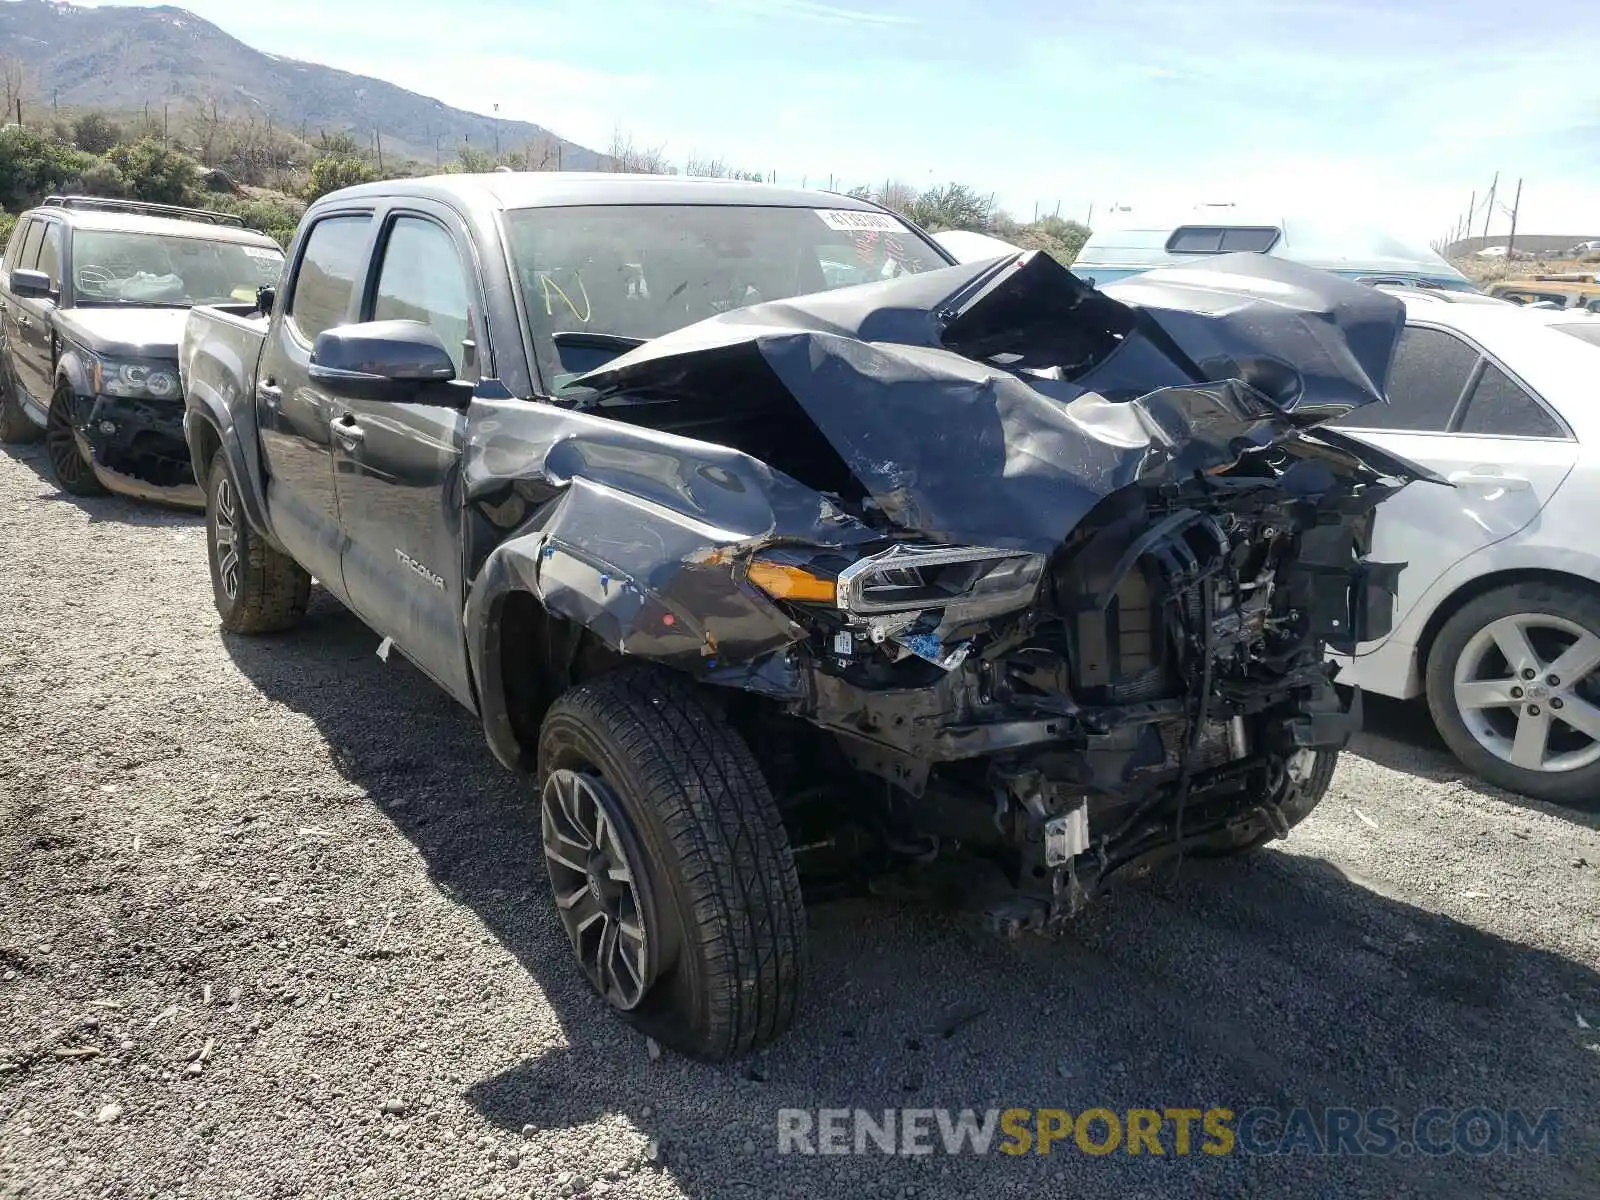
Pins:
x: 1513, y: 683
x: 669, y: 864
x: 257, y: 589
x: 15, y: 425
x: 71, y: 469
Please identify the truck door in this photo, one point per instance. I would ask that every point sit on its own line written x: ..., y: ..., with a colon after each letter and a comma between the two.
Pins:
x: 397, y: 465
x: 293, y: 413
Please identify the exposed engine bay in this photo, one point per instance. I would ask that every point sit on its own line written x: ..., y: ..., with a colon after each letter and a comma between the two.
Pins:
x: 989, y: 565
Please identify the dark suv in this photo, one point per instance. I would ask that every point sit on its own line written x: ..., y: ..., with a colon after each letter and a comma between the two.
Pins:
x: 93, y: 297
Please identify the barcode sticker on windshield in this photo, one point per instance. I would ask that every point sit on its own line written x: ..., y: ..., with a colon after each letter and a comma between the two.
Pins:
x: 852, y: 221
x: 262, y: 253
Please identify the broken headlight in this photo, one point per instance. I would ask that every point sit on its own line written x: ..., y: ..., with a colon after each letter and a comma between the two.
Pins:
x: 135, y: 380
x: 971, y: 582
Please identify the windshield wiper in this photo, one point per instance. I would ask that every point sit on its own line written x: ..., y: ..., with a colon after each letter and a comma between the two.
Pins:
x: 584, y: 339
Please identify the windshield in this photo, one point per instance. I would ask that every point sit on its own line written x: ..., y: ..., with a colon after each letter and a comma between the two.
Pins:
x: 110, y: 267
x: 639, y: 271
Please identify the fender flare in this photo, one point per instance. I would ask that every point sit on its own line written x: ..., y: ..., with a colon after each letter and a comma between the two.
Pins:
x: 71, y: 367
x: 206, y: 418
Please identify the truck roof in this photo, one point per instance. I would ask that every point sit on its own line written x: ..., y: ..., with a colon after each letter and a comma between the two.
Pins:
x: 549, y: 189
x: 121, y: 222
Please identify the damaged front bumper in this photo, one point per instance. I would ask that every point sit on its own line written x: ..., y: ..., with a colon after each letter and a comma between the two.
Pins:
x: 136, y: 447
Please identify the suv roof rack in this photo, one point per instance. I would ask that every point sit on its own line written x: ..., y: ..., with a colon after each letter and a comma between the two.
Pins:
x: 106, y: 204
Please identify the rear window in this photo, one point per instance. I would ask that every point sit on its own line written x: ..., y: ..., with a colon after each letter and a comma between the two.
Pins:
x: 1221, y: 239
x: 640, y: 271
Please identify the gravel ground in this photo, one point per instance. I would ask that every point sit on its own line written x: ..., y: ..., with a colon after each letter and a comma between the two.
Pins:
x: 271, y: 924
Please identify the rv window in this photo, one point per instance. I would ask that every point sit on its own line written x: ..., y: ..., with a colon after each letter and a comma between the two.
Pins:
x: 1221, y: 239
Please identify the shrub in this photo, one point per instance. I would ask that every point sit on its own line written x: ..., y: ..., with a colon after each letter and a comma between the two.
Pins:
x: 103, y: 178
x: 331, y: 174
x: 33, y: 165
x: 156, y: 173
x: 95, y: 133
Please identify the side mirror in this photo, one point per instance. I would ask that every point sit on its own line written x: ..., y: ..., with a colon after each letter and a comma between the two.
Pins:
x: 266, y: 297
x: 33, y: 284
x: 387, y: 359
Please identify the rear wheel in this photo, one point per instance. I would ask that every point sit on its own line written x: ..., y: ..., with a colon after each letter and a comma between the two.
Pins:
x: 669, y: 864
x: 1513, y: 683
x: 15, y: 425
x: 71, y: 469
x: 257, y: 588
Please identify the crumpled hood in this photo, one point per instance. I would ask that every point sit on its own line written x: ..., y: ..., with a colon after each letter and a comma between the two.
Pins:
x: 125, y: 332
x: 1175, y: 372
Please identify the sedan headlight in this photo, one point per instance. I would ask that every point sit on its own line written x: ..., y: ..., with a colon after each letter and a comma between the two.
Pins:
x: 119, y: 377
x: 966, y: 582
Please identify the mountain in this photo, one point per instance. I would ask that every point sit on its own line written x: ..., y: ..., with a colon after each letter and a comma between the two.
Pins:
x: 125, y: 58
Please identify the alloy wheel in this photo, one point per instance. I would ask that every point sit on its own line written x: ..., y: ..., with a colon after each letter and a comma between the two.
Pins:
x: 61, y: 444
x: 1528, y: 691
x: 225, y: 532
x: 597, y: 882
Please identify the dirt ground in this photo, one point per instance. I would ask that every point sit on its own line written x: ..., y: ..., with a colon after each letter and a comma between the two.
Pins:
x: 272, y: 923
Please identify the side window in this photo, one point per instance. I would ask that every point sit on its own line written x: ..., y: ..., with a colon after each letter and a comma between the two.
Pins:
x: 1499, y: 407
x: 422, y: 279
x: 326, y: 279
x: 1429, y: 371
x: 14, y: 246
x: 50, y: 252
x: 29, y: 254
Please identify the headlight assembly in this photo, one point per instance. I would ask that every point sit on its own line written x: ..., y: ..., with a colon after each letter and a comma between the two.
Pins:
x: 118, y: 377
x: 966, y: 582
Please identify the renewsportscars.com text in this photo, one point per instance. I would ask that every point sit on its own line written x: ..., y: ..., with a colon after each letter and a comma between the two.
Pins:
x: 1375, y: 1132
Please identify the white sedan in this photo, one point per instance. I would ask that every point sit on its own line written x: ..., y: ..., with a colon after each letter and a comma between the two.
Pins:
x: 1497, y: 621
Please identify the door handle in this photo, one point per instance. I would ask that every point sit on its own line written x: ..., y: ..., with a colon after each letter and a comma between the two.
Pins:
x: 347, y: 431
x: 22, y: 320
x: 1510, y: 483
x: 269, y: 394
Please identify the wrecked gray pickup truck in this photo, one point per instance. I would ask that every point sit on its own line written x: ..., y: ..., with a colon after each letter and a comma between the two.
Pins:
x: 970, y: 573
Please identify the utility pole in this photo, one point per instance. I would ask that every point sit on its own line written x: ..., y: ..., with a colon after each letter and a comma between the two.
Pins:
x: 377, y: 137
x: 165, y: 123
x: 438, y: 139
x: 1488, y: 212
x: 1511, y: 242
x: 497, y: 131
x: 1089, y: 220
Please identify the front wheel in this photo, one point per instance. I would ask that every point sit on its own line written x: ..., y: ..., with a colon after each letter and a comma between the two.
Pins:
x: 71, y: 469
x: 1513, y: 683
x: 257, y: 589
x: 669, y: 864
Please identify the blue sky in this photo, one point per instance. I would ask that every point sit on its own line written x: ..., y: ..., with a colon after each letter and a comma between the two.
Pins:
x: 1360, y: 107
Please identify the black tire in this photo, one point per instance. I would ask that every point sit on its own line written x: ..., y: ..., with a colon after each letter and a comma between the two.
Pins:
x: 73, y: 473
x: 257, y: 589
x: 719, y: 879
x: 1295, y: 809
x: 1578, y: 787
x: 15, y: 425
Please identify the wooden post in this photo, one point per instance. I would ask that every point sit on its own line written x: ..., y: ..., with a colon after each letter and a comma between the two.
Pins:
x: 1511, y: 241
x: 1488, y: 211
x: 377, y: 137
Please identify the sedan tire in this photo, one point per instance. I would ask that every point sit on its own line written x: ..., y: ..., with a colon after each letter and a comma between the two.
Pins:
x: 1513, y: 683
x: 669, y: 864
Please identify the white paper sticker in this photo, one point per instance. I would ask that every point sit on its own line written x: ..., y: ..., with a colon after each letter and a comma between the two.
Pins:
x: 263, y: 253
x: 852, y: 221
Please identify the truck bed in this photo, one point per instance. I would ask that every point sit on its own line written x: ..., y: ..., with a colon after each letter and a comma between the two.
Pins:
x: 220, y: 346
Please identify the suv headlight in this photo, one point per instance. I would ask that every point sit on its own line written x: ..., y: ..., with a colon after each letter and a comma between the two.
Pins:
x: 120, y: 377
x: 967, y: 582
